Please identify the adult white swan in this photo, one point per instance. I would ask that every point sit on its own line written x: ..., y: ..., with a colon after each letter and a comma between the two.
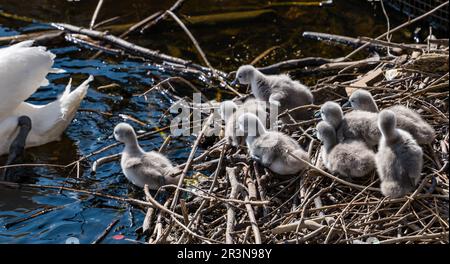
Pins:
x: 23, y: 69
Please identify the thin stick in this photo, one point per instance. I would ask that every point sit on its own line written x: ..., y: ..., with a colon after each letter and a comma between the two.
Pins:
x: 130, y: 47
x: 106, y: 21
x: 194, y: 41
x: 415, y: 193
x: 106, y: 231
x: 263, y: 54
x: 342, y: 213
x: 211, y: 197
x: 163, y: 16
x: 388, y: 34
x: 42, y: 212
x: 208, y: 240
x: 35, y: 165
x: 141, y: 23
x: 189, y: 162
x: 254, y: 223
x: 104, y: 160
x: 409, y: 22
x: 211, y: 188
x: 94, y: 16
x: 158, y: 205
x: 231, y: 214
x: 415, y: 238
x: 148, y: 220
x: 185, y: 211
x: 200, y: 51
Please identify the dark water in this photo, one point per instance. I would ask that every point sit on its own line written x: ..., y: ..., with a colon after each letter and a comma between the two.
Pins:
x: 226, y: 45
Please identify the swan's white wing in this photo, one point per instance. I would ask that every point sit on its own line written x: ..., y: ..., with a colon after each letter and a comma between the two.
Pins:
x: 51, y: 120
x: 23, y: 44
x: 22, y: 71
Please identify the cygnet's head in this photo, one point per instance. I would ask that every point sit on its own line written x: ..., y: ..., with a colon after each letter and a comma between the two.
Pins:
x: 24, y: 122
x: 387, y: 123
x: 363, y: 100
x: 325, y: 132
x: 331, y: 112
x: 227, y: 108
x: 250, y: 124
x: 245, y: 74
x: 124, y: 133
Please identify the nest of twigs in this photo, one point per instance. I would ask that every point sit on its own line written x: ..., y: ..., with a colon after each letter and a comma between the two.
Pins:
x: 241, y: 202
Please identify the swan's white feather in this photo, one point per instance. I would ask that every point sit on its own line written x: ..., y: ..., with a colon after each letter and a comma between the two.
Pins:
x: 23, y: 70
x: 51, y: 120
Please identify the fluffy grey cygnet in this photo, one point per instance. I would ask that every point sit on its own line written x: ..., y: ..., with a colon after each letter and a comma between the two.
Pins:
x: 399, y: 159
x: 349, y: 158
x: 407, y: 119
x: 279, y: 90
x: 270, y: 148
x: 142, y: 167
x: 356, y: 125
x: 363, y: 100
x: 230, y: 112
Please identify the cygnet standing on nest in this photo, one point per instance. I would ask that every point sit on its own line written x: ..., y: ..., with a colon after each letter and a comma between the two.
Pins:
x: 399, y: 159
x: 140, y: 167
x: 407, y: 119
x: 279, y: 90
x: 270, y: 148
x: 356, y: 125
x: 349, y: 158
x: 230, y: 112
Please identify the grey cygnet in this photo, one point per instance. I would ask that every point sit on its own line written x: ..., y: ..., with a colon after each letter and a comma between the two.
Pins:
x: 399, y: 159
x: 141, y: 167
x: 356, y: 125
x: 230, y: 112
x: 270, y: 148
x: 279, y: 90
x: 407, y: 119
x: 349, y: 158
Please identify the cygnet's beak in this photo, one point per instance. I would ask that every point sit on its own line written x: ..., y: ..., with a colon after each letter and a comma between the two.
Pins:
x: 347, y: 104
x: 317, y: 114
x: 235, y: 82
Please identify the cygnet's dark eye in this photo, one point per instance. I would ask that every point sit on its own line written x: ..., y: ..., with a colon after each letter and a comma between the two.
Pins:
x: 239, y: 76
